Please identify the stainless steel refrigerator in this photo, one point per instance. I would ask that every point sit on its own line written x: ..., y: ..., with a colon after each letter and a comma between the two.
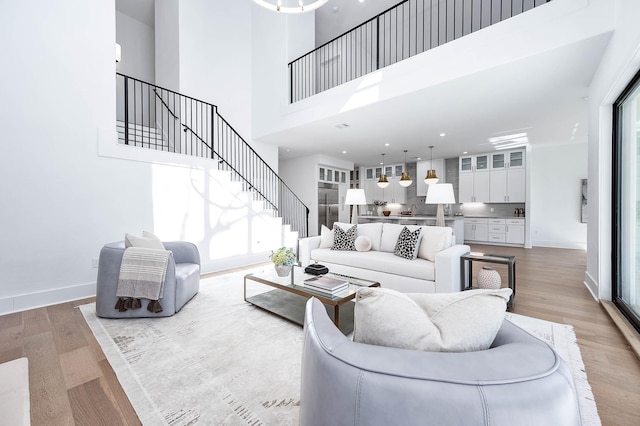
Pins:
x: 328, y: 205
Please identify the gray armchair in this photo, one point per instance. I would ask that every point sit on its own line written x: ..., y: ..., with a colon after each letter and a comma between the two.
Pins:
x: 520, y: 380
x: 182, y: 280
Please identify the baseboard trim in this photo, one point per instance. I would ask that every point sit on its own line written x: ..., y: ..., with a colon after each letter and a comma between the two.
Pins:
x: 561, y: 244
x: 23, y: 302
x: 591, y: 285
x: 629, y: 333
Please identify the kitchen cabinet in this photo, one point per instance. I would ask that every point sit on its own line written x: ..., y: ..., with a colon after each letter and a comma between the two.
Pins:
x: 475, y: 229
x: 394, y: 193
x: 508, y: 179
x: 421, y: 171
x: 494, y: 230
x: 514, y: 231
x: 474, y: 163
x: 474, y: 187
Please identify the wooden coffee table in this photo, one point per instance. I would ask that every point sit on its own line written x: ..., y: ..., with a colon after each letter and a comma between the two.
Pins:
x: 286, y: 296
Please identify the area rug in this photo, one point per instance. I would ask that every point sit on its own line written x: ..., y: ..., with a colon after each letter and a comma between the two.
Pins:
x: 223, y: 361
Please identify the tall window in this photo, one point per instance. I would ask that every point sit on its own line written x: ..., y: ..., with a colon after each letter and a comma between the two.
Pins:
x: 626, y: 202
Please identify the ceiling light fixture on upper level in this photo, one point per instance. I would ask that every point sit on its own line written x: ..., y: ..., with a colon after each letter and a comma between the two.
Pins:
x: 276, y: 5
x: 431, y: 176
x: 383, y: 182
x: 405, y: 180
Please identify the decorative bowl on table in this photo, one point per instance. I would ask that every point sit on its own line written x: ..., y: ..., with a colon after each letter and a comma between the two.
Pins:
x: 386, y: 212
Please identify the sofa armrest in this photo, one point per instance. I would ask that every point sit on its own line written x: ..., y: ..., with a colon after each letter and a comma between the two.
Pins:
x: 305, y: 245
x: 448, y: 268
x: 183, y: 251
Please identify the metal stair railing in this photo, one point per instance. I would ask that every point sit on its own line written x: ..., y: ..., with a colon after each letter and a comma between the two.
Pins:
x: 409, y: 28
x: 192, y: 127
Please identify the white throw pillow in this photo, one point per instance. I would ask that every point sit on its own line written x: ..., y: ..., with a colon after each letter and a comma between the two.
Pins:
x: 441, y: 322
x: 434, y: 239
x: 145, y: 241
x: 363, y: 243
x: 326, y: 237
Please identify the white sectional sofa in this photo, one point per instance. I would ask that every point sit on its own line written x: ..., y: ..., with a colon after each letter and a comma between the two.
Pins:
x: 435, y: 270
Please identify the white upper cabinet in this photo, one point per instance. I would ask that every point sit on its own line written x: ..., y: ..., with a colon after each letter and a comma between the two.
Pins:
x: 507, y: 183
x: 474, y: 163
x: 421, y: 173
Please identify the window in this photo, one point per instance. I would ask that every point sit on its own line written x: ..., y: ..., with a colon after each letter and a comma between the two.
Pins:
x: 626, y: 202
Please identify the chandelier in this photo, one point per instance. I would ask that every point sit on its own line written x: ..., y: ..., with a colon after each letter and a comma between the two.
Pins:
x: 276, y: 5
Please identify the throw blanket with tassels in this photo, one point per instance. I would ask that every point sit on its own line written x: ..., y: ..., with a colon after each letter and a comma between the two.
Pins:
x: 142, y: 274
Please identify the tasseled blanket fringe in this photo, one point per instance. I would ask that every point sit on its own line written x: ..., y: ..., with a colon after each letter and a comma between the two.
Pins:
x: 125, y: 303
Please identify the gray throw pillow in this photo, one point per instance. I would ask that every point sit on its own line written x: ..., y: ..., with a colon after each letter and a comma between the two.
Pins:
x: 408, y: 243
x: 344, y: 240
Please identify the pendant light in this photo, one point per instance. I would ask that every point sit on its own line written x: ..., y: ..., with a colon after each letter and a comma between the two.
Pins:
x: 405, y: 180
x: 383, y: 182
x: 431, y: 177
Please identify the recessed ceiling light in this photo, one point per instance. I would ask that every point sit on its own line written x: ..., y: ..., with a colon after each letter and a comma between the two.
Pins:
x: 386, y: 144
x: 344, y: 152
x: 342, y: 126
x: 442, y: 135
x: 288, y: 150
x: 466, y: 152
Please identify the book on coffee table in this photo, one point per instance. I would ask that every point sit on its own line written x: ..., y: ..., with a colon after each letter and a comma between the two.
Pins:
x: 326, y: 284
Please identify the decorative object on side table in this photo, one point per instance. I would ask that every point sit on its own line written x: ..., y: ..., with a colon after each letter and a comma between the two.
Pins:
x: 386, y: 212
x: 489, y: 278
x: 283, y: 259
x: 380, y: 206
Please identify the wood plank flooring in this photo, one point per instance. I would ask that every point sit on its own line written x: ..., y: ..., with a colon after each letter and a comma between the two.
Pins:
x: 71, y: 381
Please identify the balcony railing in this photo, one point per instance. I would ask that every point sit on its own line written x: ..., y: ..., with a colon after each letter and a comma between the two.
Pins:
x: 156, y: 118
x: 400, y: 32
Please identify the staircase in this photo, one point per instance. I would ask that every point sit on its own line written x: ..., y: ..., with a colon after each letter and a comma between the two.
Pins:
x: 155, y: 118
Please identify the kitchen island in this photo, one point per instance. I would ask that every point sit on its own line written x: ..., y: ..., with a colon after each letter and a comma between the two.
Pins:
x: 454, y: 222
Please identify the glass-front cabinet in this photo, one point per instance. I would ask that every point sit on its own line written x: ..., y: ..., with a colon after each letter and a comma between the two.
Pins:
x: 474, y: 163
x: 508, y: 159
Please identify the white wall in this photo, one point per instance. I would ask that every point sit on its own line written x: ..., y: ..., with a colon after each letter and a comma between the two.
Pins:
x: 60, y: 202
x: 619, y: 63
x: 167, y: 42
x: 66, y: 187
x: 556, y: 177
x: 137, y: 40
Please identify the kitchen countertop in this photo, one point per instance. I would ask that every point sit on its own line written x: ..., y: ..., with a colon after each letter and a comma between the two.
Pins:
x: 398, y: 217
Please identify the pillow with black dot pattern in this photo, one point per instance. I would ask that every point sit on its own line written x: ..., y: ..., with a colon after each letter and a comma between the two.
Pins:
x: 344, y: 240
x: 408, y: 243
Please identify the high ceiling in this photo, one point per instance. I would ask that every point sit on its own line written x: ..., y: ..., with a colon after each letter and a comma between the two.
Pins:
x: 543, y: 95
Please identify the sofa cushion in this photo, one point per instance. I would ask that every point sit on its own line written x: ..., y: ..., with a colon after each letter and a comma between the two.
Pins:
x: 377, y: 261
x: 363, y: 243
x: 326, y: 237
x: 408, y: 243
x: 344, y: 240
x: 373, y: 231
x: 434, y: 239
x: 444, y: 322
x: 390, y: 234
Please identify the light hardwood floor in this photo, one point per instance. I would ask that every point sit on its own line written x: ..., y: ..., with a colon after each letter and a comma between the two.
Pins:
x: 71, y: 382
